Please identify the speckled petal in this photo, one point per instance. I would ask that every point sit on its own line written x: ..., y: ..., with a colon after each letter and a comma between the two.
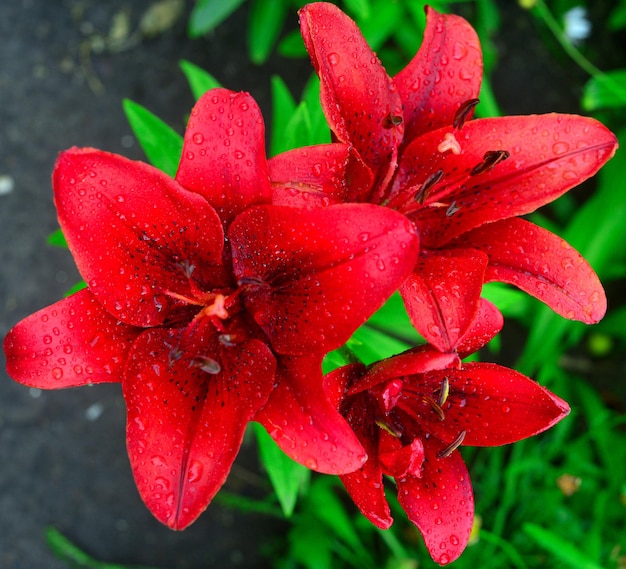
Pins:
x: 135, y: 234
x: 318, y: 176
x: 445, y: 72
x: 187, y: 415
x: 547, y: 155
x: 443, y: 293
x: 543, y: 265
x: 303, y: 422
x: 70, y: 343
x: 360, y: 101
x: 440, y: 503
x: 223, y: 155
x: 493, y: 404
x: 314, y: 276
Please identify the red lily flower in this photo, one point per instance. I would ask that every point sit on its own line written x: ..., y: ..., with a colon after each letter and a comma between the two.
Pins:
x: 411, y: 147
x: 201, y: 297
x: 412, y: 412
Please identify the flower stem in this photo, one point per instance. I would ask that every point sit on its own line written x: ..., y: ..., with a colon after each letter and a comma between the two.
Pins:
x: 541, y: 10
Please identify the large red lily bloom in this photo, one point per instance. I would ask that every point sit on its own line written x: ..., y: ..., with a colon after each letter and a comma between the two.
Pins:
x: 408, y: 144
x: 413, y: 411
x: 201, y: 297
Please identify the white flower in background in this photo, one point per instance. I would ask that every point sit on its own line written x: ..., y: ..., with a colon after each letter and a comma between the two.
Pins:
x: 577, y: 25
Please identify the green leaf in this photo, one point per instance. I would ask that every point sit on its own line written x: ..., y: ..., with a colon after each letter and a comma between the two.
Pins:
x: 67, y: 552
x: 605, y: 91
x: 325, y: 502
x: 563, y: 550
x: 360, y: 9
x: 200, y: 81
x: 57, y: 238
x: 283, y: 108
x: 385, y: 18
x: 208, y: 14
x: 287, y: 477
x: 393, y: 320
x: 78, y: 286
x: 292, y: 45
x: 310, y: 544
x: 512, y: 302
x: 264, y: 26
x: 371, y: 345
x: 161, y: 143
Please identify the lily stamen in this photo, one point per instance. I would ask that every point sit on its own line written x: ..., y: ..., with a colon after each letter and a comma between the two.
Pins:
x: 444, y: 390
x: 463, y: 113
x: 456, y: 443
x: 490, y: 159
x: 434, y: 406
x: 425, y: 188
x: 385, y: 427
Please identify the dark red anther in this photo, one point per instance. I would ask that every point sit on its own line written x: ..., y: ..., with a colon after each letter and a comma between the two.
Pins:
x: 463, y: 113
x: 391, y: 121
x: 425, y: 188
x: 490, y: 159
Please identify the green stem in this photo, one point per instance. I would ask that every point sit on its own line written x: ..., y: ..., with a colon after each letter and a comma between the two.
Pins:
x: 542, y: 11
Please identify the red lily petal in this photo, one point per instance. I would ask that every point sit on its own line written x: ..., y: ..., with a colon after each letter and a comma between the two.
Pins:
x: 359, y: 99
x: 486, y: 325
x: 304, y: 423
x: 445, y: 72
x: 320, y: 175
x: 415, y: 361
x: 402, y: 461
x: 443, y: 293
x: 440, y: 504
x: 135, y: 233
x: 549, y: 154
x: 365, y: 485
x: 494, y: 405
x: 70, y: 343
x: 185, y: 425
x: 543, y: 265
x: 367, y: 491
x: 314, y: 276
x: 223, y: 155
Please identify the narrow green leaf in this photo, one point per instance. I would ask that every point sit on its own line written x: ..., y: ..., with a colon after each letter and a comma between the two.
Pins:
x: 208, y: 14
x: 320, y: 132
x: 385, y: 18
x: 330, y: 510
x: 161, y: 143
x: 57, y: 238
x: 371, y: 345
x: 359, y: 9
x: 310, y: 544
x: 67, y: 552
x: 292, y: 45
x: 287, y: 477
x: 563, y: 550
x: 200, y: 81
x: 264, y: 26
x: 78, y: 286
x: 283, y: 108
x: 605, y: 91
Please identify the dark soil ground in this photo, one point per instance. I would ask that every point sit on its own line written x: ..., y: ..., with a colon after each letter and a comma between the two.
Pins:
x: 62, y: 454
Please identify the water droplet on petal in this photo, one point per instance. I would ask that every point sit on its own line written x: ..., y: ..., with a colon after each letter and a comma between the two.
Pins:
x: 158, y: 460
x: 195, y: 471
x: 57, y: 373
x: 560, y: 147
x: 333, y: 58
